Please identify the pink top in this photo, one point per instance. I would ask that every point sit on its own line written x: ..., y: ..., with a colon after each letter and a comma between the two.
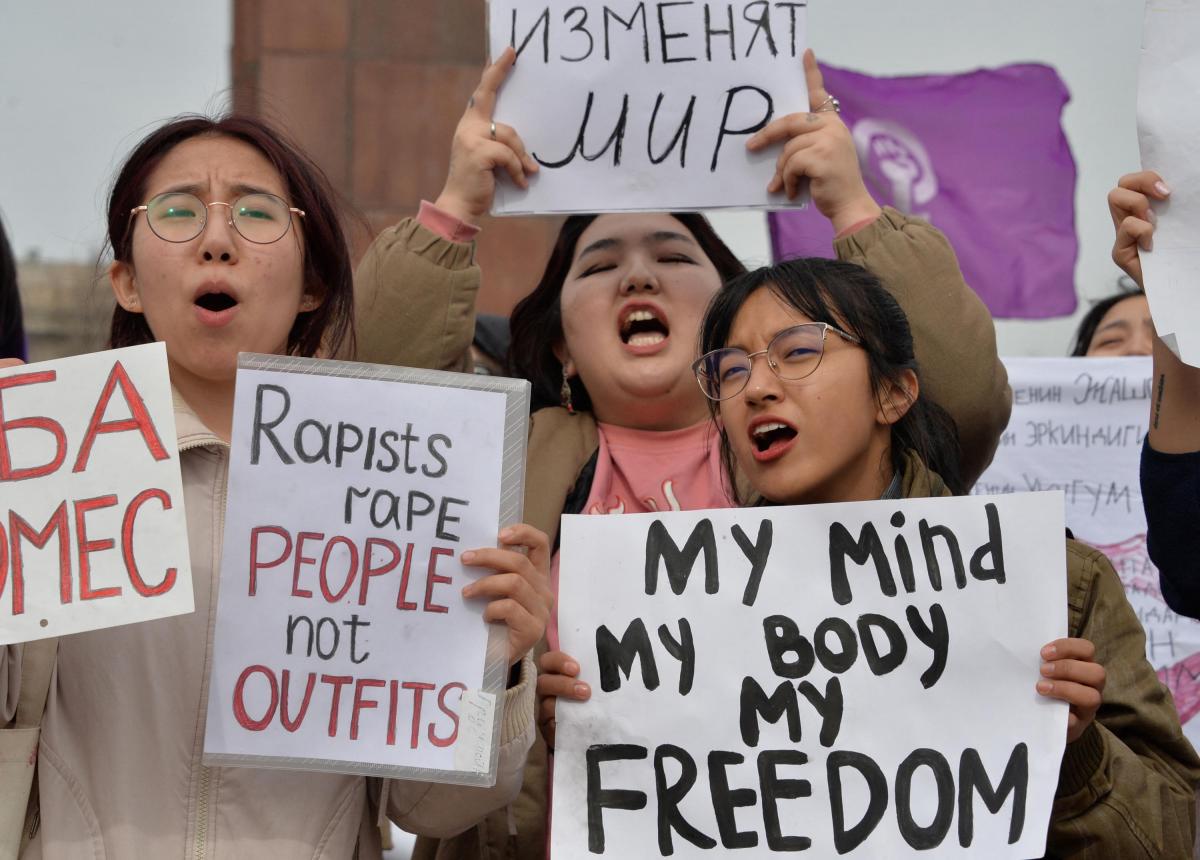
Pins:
x: 642, y: 471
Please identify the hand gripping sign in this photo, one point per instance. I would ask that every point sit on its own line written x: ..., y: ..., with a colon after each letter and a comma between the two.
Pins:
x: 847, y: 679
x: 343, y: 642
x: 93, y: 532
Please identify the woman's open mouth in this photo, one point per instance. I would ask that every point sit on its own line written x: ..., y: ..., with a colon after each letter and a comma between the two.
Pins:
x: 644, y: 329
x: 215, y: 306
x: 771, y: 439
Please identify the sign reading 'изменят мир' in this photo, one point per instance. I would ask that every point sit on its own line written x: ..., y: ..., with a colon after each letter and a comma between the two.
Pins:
x: 635, y: 105
x: 847, y: 679
x: 92, y: 530
x: 343, y: 641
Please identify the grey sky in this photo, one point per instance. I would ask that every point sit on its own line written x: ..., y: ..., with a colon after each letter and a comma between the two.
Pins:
x: 80, y: 83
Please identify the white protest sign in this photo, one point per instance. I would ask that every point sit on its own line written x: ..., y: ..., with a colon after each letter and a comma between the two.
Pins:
x: 1077, y: 425
x: 1168, y: 131
x: 849, y: 678
x: 646, y: 105
x: 93, y: 532
x: 343, y: 641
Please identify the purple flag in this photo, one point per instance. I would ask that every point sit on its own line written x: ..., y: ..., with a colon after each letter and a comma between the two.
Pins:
x: 983, y: 157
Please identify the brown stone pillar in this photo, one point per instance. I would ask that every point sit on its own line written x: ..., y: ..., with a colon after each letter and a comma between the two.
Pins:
x: 373, y: 89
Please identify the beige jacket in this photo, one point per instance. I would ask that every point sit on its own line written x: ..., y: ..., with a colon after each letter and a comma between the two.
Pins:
x: 119, y: 768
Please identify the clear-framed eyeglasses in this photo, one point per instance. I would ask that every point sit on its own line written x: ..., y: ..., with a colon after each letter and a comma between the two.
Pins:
x: 179, y: 216
x: 792, y: 354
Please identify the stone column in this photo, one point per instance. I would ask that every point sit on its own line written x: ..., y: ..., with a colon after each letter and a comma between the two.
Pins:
x: 372, y: 89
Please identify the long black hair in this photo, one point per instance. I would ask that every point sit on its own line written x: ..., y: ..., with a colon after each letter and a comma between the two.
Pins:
x: 12, y: 328
x: 851, y: 298
x: 536, y: 322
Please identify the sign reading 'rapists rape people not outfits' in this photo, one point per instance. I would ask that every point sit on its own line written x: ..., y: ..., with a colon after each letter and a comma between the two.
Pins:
x: 835, y: 679
x: 647, y: 105
x: 93, y: 533
x: 343, y: 642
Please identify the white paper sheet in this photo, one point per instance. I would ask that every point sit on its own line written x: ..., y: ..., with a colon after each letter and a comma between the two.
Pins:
x: 1168, y: 131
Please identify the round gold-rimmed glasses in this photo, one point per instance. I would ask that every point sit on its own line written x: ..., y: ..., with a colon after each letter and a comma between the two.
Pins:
x: 792, y: 354
x: 179, y: 216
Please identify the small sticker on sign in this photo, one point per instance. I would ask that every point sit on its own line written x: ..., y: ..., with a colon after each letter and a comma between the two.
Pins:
x: 473, y: 750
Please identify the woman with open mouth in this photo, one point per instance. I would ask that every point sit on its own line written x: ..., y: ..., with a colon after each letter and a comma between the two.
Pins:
x: 609, y: 335
x: 227, y: 239
x: 810, y: 371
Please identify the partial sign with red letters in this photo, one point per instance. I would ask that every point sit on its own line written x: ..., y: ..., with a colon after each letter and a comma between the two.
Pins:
x: 93, y: 532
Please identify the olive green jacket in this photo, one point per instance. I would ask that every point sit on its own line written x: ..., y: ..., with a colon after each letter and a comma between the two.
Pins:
x: 1126, y: 787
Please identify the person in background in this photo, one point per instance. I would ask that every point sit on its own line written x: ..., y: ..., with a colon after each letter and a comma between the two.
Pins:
x: 1170, y: 473
x: 1117, y: 325
x: 609, y: 334
x: 12, y: 326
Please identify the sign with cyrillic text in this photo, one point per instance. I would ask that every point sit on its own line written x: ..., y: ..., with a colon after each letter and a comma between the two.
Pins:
x: 647, y: 105
x: 847, y: 679
x: 343, y: 642
x: 1077, y: 426
x: 93, y: 532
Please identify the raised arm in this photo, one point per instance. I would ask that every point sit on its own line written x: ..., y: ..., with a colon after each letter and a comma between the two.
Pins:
x: 952, y: 329
x: 1171, y: 457
x: 416, y: 286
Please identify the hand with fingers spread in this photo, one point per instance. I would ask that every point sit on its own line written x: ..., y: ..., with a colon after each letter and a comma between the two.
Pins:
x: 482, y: 146
x: 558, y: 675
x: 1133, y: 219
x: 818, y: 147
x: 518, y: 592
x: 1071, y: 674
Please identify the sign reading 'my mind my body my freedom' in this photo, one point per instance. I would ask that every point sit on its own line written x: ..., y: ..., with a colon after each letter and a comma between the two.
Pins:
x: 647, y: 105
x: 93, y: 532
x: 343, y: 642
x: 849, y: 679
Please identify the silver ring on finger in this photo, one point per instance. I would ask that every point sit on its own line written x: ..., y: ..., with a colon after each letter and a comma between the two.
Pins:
x: 830, y: 104
x: 493, y: 129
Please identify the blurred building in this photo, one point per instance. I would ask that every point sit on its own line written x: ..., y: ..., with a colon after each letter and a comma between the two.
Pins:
x: 373, y: 89
x: 66, y: 307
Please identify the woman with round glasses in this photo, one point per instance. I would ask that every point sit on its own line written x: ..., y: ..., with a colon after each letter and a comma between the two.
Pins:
x: 609, y: 333
x: 225, y: 239
x: 805, y: 418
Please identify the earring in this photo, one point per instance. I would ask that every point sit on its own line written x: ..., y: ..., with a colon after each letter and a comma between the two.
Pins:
x: 564, y: 393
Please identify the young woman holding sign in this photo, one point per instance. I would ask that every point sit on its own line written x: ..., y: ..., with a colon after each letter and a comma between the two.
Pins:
x: 225, y: 240
x: 610, y: 333
x: 814, y: 385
